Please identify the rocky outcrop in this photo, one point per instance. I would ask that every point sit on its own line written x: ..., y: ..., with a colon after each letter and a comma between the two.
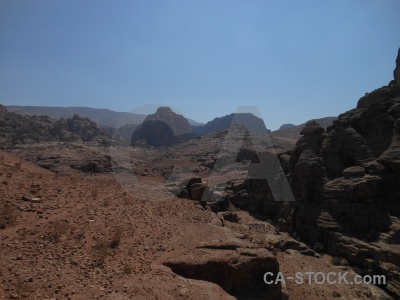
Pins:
x: 102, y: 117
x: 238, y: 269
x: 120, y: 136
x: 178, y: 124
x: 76, y: 128
x: 287, y: 126
x: 345, y: 180
x: 247, y: 120
x: 16, y: 129
x: 164, y: 128
x: 355, y: 158
x: 65, y: 158
x: 293, y: 132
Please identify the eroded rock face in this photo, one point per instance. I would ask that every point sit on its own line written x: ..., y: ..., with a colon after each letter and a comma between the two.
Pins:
x: 346, y: 183
x: 358, y: 154
x: 178, y: 124
x: 64, y: 158
x: 76, y: 128
x: 306, y: 164
x: 194, y: 189
x: 17, y: 129
x: 237, y: 269
x: 350, y: 173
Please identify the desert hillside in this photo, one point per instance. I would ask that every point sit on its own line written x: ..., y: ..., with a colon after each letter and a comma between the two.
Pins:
x: 83, y: 216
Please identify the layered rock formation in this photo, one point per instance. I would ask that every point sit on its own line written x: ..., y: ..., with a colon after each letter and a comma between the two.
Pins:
x: 164, y: 128
x: 346, y: 183
x: 17, y: 129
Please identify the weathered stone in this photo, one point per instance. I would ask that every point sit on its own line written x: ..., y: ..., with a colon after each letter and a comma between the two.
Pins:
x: 239, y: 271
x: 197, y: 191
x: 312, y: 128
x: 355, y: 171
x: 346, y: 183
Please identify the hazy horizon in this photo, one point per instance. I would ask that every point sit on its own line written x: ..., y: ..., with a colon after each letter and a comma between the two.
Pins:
x: 293, y: 61
x: 151, y: 109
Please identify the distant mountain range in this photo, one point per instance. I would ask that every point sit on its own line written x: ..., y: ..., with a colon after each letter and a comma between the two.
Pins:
x: 103, y: 117
x: 109, y: 119
x: 292, y: 131
x: 248, y: 120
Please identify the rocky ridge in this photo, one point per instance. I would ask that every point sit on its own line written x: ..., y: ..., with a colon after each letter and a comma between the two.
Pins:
x: 345, y: 180
x: 17, y: 129
x: 103, y: 117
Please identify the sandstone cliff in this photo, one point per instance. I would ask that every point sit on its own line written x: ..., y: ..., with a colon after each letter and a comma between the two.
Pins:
x: 346, y: 183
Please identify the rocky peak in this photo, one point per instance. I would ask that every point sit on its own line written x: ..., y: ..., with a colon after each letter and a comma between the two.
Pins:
x: 312, y: 128
x: 163, y: 128
x: 396, y: 72
x: 178, y: 123
x: 248, y: 120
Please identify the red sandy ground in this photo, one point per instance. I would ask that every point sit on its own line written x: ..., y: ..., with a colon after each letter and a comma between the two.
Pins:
x: 59, y: 248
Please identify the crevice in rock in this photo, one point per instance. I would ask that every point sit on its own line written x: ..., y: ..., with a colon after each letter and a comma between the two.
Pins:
x: 219, y: 247
x: 241, y: 277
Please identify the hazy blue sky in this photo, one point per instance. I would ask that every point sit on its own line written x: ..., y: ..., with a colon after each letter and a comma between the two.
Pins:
x: 294, y: 60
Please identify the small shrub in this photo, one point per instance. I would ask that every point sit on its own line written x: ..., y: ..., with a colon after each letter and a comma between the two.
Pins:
x: 80, y: 235
x: 116, y: 239
x: 106, y: 202
x: 95, y: 193
x: 102, y: 248
x: 18, y: 165
x: 160, y: 211
x: 127, y: 269
x: 58, y: 230
x: 127, y: 201
x: 102, y: 251
x: 22, y: 289
x: 7, y: 217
